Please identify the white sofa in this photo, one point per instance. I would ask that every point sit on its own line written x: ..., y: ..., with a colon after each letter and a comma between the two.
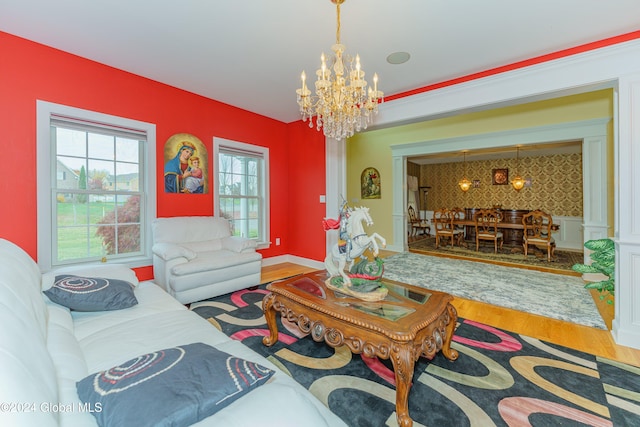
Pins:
x: 45, y: 349
x: 196, y: 257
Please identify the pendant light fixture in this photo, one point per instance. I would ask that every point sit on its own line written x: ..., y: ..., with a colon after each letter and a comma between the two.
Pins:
x: 518, y: 182
x: 464, y: 183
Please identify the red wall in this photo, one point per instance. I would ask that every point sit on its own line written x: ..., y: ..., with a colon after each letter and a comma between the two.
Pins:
x: 307, y: 182
x: 33, y: 72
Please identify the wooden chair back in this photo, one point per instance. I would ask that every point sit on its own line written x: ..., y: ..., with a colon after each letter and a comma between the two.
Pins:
x: 486, y: 224
x: 537, y: 225
x: 486, y: 221
x: 537, y: 232
x: 412, y: 215
x: 443, y: 222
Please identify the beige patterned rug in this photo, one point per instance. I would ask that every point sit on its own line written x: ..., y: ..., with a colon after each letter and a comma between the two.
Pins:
x: 508, y: 255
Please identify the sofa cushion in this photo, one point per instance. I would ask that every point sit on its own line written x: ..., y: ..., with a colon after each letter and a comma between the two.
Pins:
x: 239, y: 244
x: 172, y: 387
x: 91, y: 293
x: 205, y: 246
x: 215, y: 260
x: 189, y: 229
x: 169, y: 251
x: 152, y: 300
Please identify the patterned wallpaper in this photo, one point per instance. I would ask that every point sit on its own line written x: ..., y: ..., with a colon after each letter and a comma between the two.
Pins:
x: 556, y: 184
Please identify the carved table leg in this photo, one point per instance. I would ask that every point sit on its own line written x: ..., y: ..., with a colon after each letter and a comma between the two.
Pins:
x: 270, y: 316
x: 447, y: 351
x: 403, y: 363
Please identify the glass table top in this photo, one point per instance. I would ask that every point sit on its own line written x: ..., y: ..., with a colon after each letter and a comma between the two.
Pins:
x: 398, y: 303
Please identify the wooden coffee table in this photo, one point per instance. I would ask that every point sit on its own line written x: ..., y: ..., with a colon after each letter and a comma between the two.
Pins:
x: 410, y: 322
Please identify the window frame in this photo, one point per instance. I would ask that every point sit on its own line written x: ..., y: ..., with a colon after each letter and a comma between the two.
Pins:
x: 45, y: 208
x: 219, y: 144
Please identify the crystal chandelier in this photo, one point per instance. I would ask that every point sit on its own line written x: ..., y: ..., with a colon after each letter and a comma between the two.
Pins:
x: 342, y: 104
x: 464, y: 183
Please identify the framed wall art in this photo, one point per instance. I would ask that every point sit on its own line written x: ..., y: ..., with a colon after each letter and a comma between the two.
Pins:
x: 186, y: 165
x: 370, y: 185
x: 500, y: 176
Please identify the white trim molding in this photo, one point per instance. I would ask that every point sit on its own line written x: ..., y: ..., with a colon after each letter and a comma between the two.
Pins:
x: 593, y: 134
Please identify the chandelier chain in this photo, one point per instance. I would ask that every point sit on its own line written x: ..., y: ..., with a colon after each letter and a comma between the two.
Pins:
x: 338, y: 23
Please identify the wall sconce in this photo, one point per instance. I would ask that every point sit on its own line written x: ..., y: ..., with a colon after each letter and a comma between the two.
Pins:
x: 518, y: 182
x: 464, y: 183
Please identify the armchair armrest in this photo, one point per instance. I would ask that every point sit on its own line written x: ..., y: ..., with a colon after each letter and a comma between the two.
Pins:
x: 239, y: 244
x: 169, y: 251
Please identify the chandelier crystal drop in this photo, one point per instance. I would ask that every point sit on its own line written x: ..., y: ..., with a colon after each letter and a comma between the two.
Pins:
x: 343, y: 102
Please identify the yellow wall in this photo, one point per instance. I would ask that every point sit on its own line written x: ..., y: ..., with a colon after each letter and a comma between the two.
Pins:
x: 373, y: 148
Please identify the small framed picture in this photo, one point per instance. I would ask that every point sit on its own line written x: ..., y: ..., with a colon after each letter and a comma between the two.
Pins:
x: 500, y: 176
x: 476, y: 183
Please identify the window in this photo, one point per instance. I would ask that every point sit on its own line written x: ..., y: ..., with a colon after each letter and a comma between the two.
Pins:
x: 96, y: 187
x: 241, y: 193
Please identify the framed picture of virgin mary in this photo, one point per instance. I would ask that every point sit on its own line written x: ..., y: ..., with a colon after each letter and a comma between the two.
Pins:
x: 186, y: 165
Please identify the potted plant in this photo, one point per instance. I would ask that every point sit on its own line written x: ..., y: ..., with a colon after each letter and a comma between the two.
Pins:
x: 603, y: 260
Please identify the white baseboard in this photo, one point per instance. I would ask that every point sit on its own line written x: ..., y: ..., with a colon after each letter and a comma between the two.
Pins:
x: 294, y: 259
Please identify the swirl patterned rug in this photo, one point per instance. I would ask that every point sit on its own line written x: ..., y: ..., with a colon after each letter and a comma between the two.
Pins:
x: 552, y: 295
x: 499, y: 379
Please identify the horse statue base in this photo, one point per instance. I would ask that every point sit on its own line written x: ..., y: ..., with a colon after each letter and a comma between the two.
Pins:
x: 364, y: 281
x: 377, y: 294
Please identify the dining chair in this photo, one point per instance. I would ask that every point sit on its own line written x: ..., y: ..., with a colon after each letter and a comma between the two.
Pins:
x: 486, y: 223
x: 443, y: 222
x: 418, y: 226
x: 537, y: 232
x: 458, y: 215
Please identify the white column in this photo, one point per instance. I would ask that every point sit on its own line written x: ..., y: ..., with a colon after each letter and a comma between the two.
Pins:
x: 594, y: 186
x: 626, y: 325
x: 336, y: 182
x: 399, y: 204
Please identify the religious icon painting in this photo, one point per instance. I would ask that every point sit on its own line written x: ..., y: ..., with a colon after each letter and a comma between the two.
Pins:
x: 500, y: 176
x: 186, y: 165
x: 370, y: 184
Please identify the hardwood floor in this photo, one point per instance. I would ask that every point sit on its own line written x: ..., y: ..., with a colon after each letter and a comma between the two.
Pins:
x: 583, y: 338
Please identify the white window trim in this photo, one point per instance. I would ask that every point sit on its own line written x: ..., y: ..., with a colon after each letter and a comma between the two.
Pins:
x: 241, y: 146
x: 44, y: 111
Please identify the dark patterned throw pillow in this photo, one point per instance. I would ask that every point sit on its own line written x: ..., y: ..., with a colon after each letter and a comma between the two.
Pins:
x: 173, y: 387
x: 81, y: 293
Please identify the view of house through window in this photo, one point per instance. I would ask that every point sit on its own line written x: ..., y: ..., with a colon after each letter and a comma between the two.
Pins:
x: 97, y: 192
x: 242, y: 187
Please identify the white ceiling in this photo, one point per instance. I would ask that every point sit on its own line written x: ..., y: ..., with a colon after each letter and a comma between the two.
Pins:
x: 249, y: 53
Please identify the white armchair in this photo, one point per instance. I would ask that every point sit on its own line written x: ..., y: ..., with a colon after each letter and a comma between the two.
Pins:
x: 196, y: 258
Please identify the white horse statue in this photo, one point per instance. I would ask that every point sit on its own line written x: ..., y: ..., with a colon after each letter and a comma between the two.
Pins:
x: 353, y: 241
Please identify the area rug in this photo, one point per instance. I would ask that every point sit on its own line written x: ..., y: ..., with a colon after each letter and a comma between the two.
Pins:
x: 499, y: 379
x: 562, y: 260
x: 552, y: 295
